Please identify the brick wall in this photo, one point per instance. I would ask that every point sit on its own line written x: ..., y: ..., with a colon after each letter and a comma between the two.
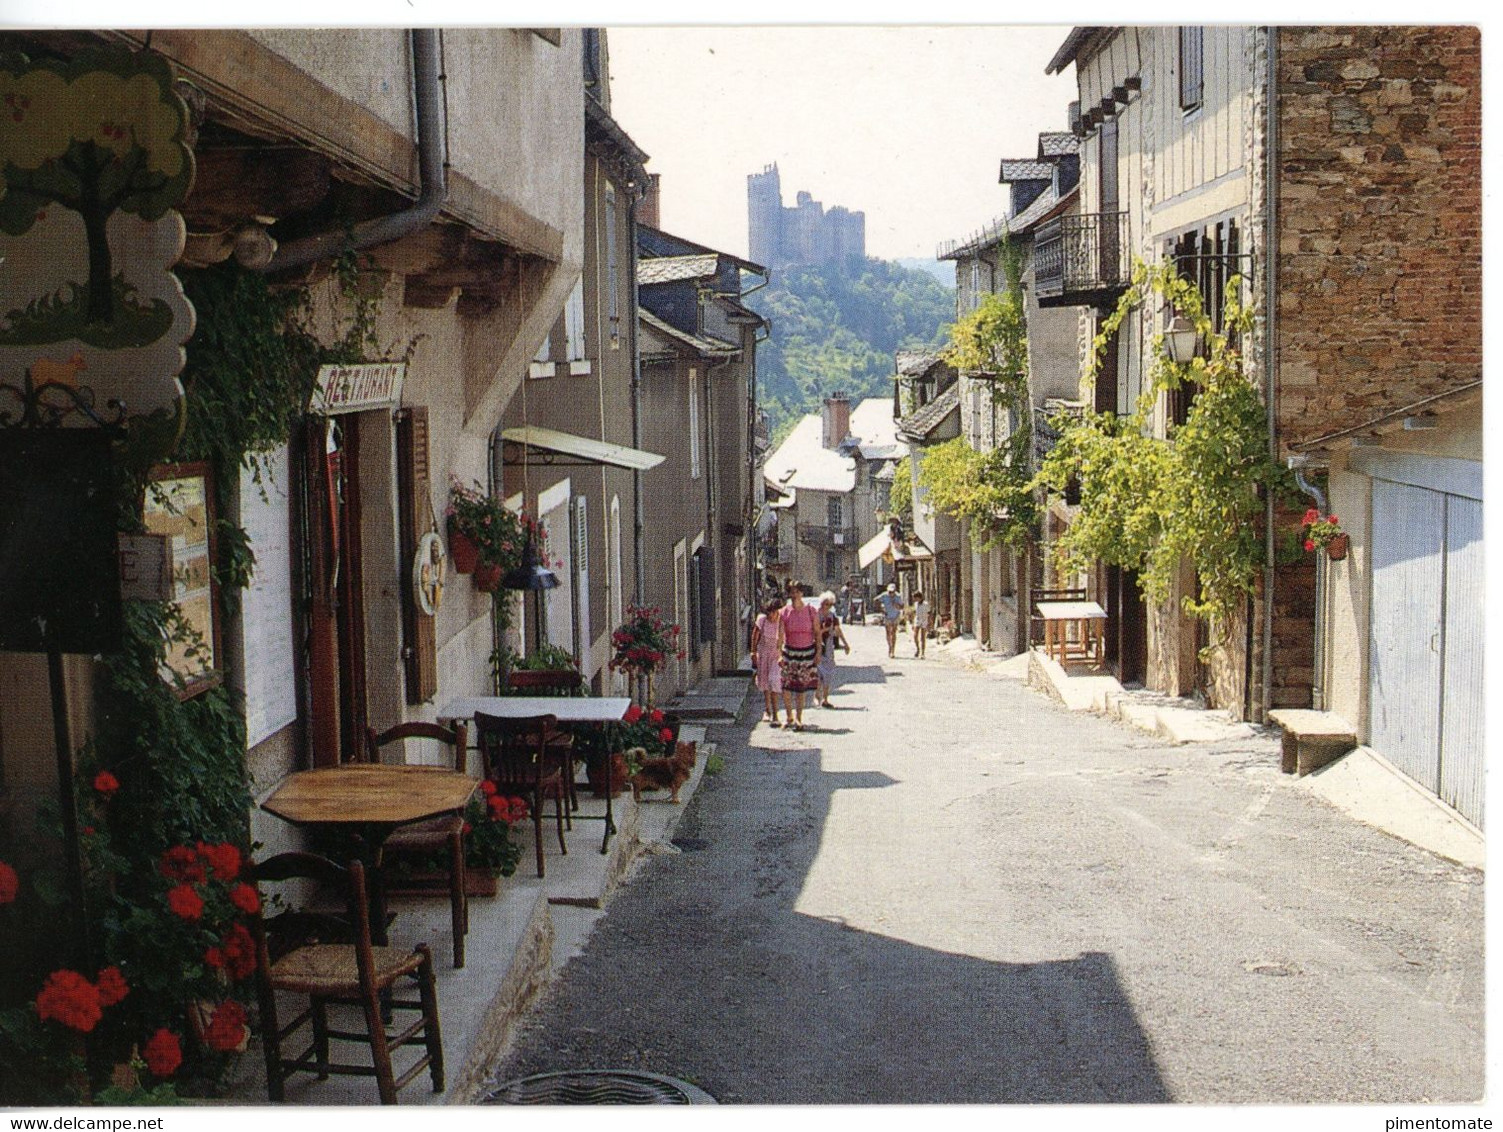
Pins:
x: 1379, y: 249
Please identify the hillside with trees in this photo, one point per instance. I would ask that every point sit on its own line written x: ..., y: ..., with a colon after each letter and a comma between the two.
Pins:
x: 836, y: 327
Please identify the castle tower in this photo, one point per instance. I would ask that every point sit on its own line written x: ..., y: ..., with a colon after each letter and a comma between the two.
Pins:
x: 764, y: 214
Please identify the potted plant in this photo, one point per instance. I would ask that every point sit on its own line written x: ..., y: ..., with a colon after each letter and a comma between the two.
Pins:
x: 643, y: 643
x: 1325, y: 534
x: 650, y: 731
x: 485, y: 536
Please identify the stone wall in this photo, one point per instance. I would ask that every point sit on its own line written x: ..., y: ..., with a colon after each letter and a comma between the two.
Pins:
x: 1380, y: 218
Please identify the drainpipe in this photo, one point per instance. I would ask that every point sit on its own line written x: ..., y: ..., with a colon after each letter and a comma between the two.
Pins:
x: 1270, y: 348
x: 430, y: 118
x: 1298, y: 463
x: 638, y: 563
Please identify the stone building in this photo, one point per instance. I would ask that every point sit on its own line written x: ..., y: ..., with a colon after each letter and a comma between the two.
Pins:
x: 697, y: 350
x: 1000, y: 581
x: 1336, y: 171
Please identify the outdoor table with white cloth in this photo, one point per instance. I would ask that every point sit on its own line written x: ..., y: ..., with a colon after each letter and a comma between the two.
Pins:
x: 564, y: 709
x: 1088, y: 619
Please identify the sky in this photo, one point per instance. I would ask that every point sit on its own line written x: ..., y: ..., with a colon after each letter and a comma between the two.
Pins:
x: 906, y: 124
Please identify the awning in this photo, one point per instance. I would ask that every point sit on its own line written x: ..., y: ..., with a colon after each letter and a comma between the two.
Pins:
x: 882, y: 546
x: 551, y: 444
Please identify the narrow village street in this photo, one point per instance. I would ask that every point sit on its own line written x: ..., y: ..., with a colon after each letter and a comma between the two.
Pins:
x: 951, y: 889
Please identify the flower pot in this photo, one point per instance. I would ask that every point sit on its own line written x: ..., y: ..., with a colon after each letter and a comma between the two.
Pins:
x: 464, y: 552
x: 1338, y: 546
x: 595, y: 773
x: 477, y: 882
x: 487, y: 577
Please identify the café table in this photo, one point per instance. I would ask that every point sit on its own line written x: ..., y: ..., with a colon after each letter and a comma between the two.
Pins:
x: 370, y: 801
x: 564, y: 709
x: 1088, y: 618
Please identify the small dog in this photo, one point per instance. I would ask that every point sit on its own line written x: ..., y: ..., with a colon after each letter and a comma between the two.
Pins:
x: 663, y: 774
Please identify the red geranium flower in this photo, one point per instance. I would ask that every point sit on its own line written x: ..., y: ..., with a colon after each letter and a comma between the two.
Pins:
x: 238, y: 949
x: 666, y: 735
x: 106, y: 783
x: 487, y: 787
x: 1311, y: 515
x: 111, y: 986
x: 185, y: 902
x: 1309, y: 544
x: 69, y: 998
x: 10, y: 884
x: 656, y: 715
x: 519, y: 810
x: 633, y: 714
x: 223, y: 859
x: 226, y: 1028
x: 163, y: 1053
x: 182, y: 864
x: 245, y: 897
x: 497, y: 807
x: 214, y: 957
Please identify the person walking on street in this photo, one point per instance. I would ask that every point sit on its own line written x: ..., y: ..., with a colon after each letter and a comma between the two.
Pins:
x: 800, y: 652
x: 830, y: 637
x: 892, y: 611
x: 920, y: 624
x: 767, y: 651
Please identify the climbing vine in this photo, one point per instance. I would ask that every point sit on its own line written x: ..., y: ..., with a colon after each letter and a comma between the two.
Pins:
x: 163, y: 780
x: 1152, y: 505
x: 992, y: 490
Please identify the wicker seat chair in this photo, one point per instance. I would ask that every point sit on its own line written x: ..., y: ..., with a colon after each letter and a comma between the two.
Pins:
x: 331, y: 960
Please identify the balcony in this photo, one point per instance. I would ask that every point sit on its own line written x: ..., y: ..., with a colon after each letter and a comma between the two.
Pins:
x: 1082, y: 261
x: 835, y: 538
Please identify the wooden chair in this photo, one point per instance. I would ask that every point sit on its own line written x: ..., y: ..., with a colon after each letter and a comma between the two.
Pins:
x: 551, y: 682
x: 331, y: 960
x: 520, y: 759
x: 441, y: 835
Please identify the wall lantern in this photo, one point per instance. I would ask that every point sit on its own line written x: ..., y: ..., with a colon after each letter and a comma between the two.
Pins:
x: 1181, y: 340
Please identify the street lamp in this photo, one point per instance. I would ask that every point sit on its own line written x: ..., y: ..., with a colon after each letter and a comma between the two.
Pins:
x: 1182, y: 340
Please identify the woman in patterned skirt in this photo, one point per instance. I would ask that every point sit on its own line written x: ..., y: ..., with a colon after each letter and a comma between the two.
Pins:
x: 800, y: 653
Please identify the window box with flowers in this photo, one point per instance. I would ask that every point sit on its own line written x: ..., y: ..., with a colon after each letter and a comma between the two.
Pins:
x: 1325, y: 533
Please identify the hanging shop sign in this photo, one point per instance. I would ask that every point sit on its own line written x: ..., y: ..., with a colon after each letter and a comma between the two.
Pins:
x: 92, y: 320
x: 356, y: 388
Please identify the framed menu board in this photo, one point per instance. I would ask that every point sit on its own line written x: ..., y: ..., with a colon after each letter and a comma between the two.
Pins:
x: 180, y: 504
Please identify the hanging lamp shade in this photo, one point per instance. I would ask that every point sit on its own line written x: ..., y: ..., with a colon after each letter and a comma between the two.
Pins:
x: 530, y: 574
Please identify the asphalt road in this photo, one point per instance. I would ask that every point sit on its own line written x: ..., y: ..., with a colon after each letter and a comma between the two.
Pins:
x: 954, y: 890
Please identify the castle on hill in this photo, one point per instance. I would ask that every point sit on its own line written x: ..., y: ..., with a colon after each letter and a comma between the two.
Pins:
x: 802, y: 234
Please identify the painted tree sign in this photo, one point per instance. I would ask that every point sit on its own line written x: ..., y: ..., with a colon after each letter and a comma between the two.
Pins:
x: 93, y: 162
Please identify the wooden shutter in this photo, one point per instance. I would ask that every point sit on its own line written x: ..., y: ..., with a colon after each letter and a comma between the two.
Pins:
x: 704, y: 559
x: 419, y: 645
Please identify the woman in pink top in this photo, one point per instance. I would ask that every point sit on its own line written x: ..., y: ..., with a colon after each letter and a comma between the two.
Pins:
x: 800, y: 650
x: 767, y: 650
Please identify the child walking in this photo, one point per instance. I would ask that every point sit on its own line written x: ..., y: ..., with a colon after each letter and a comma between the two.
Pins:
x: 767, y: 652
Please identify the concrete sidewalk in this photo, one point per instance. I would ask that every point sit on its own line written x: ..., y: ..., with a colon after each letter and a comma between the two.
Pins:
x: 518, y: 940
x: 1362, y: 784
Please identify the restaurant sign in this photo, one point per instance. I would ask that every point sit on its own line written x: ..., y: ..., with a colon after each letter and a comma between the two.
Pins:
x: 355, y: 388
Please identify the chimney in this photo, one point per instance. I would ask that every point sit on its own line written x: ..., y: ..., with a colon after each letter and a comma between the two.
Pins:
x: 837, y: 419
x: 647, y: 209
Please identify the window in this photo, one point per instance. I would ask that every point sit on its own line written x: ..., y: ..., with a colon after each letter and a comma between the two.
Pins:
x: 1191, y: 67
x: 833, y: 510
x: 693, y: 423
x: 833, y: 564
x: 574, y: 323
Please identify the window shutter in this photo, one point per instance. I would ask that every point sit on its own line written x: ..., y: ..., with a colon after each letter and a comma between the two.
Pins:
x: 419, y: 645
x: 704, y: 559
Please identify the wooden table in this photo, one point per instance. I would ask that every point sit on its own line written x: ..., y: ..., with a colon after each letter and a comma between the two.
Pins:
x: 565, y: 709
x: 370, y: 800
x: 1089, y: 620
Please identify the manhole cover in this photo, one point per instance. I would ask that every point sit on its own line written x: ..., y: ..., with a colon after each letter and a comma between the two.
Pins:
x: 598, y: 1086
x: 690, y: 844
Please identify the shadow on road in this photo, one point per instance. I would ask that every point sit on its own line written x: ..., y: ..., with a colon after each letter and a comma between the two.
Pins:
x: 704, y: 969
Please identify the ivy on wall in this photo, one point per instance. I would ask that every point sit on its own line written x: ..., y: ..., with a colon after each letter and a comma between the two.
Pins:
x: 1152, y: 505
x: 993, y: 490
x: 174, y: 771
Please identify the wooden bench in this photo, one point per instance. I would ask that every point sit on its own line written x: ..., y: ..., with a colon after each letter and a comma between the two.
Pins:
x: 1312, y: 739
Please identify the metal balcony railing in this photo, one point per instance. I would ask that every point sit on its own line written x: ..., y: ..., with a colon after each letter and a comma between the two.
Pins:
x: 1081, y: 260
x: 835, y: 537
